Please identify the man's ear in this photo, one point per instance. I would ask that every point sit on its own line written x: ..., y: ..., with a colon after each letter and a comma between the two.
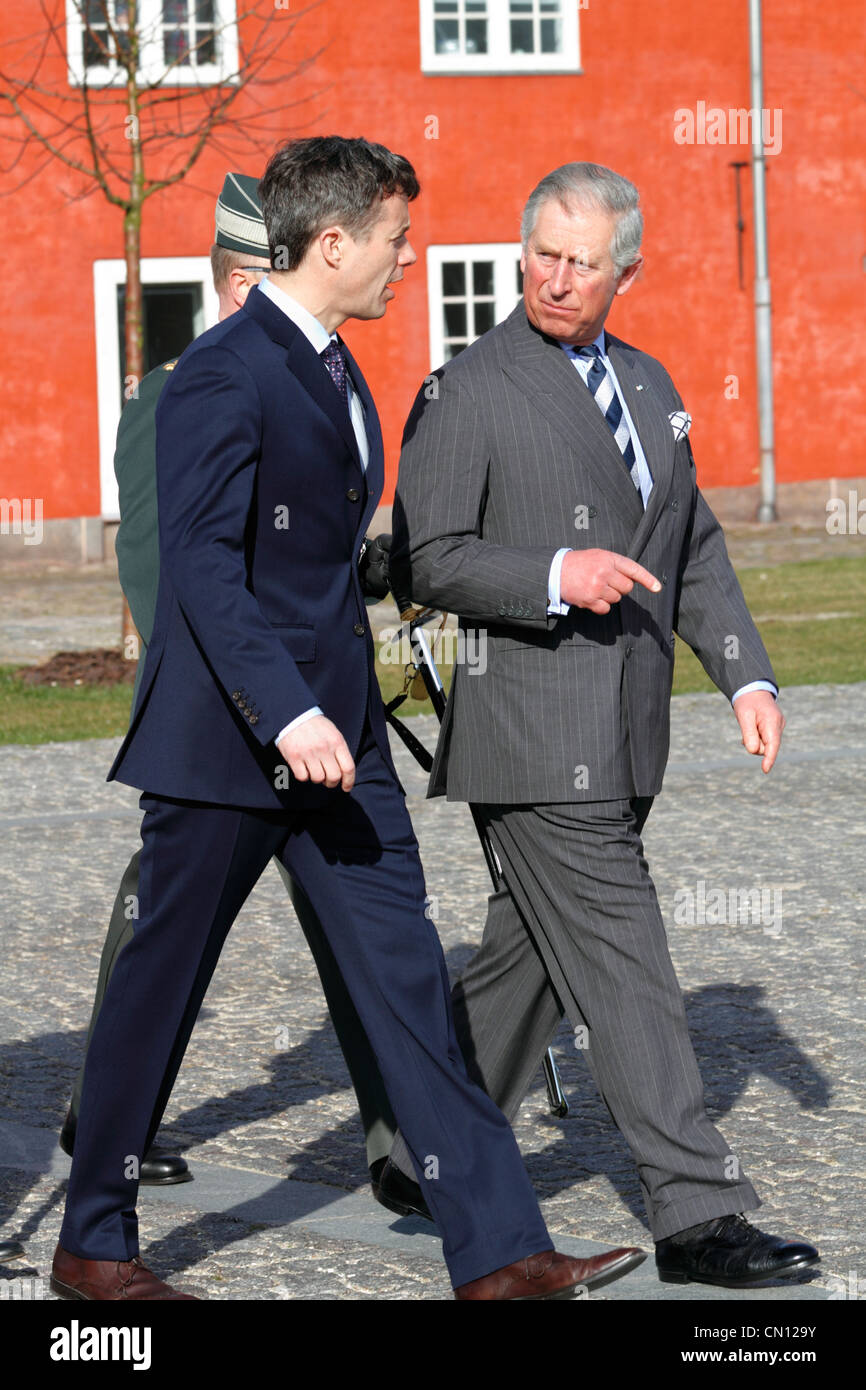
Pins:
x: 330, y: 241
x: 239, y: 286
x: 629, y: 276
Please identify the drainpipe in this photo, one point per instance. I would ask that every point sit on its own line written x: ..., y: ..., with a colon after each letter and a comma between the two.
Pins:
x: 763, y: 323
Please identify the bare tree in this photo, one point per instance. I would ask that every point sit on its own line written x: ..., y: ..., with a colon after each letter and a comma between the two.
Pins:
x: 127, y: 95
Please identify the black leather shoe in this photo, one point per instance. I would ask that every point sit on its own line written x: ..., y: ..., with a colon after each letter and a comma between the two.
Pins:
x: 732, y: 1253
x: 158, y: 1167
x: 399, y: 1193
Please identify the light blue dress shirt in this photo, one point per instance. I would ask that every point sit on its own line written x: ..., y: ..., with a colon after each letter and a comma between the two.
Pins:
x: 555, y: 606
x: 319, y: 337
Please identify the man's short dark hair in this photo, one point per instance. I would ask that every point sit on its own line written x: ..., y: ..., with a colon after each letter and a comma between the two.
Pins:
x: 313, y: 183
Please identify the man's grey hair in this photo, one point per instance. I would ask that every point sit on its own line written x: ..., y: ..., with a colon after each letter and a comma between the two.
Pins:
x: 591, y: 186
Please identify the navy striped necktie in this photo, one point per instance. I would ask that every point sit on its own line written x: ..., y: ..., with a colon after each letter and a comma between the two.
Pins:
x: 601, y: 385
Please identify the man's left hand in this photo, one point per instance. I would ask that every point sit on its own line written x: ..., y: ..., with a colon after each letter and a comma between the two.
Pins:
x: 761, y: 724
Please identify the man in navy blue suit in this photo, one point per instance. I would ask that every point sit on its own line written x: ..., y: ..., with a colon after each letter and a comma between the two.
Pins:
x: 259, y: 730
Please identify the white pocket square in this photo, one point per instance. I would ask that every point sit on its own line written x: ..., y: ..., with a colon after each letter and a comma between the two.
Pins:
x: 681, y: 423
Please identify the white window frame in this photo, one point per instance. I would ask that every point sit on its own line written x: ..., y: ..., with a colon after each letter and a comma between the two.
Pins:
x: 107, y: 276
x: 153, y: 70
x: 505, y: 256
x: 499, y: 59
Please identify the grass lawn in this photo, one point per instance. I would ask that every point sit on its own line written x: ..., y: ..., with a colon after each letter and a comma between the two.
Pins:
x: 812, y: 617
x: 52, y: 714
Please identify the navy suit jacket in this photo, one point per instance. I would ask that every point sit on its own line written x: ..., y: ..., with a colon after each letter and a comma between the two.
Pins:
x: 263, y: 506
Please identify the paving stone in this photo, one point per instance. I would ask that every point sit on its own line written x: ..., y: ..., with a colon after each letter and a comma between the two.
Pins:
x: 775, y: 1005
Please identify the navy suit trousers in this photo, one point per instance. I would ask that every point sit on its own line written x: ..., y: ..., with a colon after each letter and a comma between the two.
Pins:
x: 357, y: 860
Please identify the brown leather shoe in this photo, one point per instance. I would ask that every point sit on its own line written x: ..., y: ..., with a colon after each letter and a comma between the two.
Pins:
x: 552, y: 1275
x: 108, y: 1281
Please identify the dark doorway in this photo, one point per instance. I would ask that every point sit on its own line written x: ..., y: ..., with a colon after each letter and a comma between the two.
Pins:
x: 173, y: 316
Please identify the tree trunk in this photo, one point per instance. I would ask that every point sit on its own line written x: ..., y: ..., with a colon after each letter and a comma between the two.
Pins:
x: 133, y: 323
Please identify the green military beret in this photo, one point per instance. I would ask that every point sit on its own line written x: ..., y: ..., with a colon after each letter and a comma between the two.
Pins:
x: 239, y: 223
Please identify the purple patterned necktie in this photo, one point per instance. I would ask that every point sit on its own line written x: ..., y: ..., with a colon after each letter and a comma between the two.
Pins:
x: 336, y: 364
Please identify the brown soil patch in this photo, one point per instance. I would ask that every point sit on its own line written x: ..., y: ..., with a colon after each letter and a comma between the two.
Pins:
x: 102, y: 666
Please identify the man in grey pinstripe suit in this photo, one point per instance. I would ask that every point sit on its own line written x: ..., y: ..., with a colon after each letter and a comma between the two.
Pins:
x: 547, y: 495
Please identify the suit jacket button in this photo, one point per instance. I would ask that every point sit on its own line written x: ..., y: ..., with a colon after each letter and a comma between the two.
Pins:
x: 501, y: 611
x: 359, y: 629
x: 675, y: 506
x: 236, y: 694
x: 353, y: 495
x: 254, y: 719
x: 629, y: 650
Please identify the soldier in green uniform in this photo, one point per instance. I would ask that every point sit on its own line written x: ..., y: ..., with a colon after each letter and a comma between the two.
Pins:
x: 239, y: 258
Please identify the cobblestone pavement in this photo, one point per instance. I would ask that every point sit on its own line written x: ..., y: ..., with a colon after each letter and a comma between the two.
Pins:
x: 280, y: 1207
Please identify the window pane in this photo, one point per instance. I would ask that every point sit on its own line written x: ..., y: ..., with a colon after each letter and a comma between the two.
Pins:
x: 174, y: 46
x: 521, y: 36
x: 121, y: 12
x: 484, y: 317
x: 95, y: 48
x: 453, y: 278
x: 204, y: 11
x: 455, y: 320
x: 476, y: 36
x: 94, y: 12
x: 550, y: 7
x: 519, y: 279
x: 482, y: 277
x: 447, y: 36
x: 551, y: 36
x: 452, y: 349
x: 205, y: 46
x: 174, y: 12
x: 446, y: 6
x: 476, y: 6
x: 521, y: 6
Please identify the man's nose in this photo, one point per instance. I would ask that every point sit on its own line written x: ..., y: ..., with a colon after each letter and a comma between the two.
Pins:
x: 408, y: 256
x: 560, y: 280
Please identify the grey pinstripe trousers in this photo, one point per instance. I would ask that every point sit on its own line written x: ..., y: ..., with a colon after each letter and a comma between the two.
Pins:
x: 581, y: 932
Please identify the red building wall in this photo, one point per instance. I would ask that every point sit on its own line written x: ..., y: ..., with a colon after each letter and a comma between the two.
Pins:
x: 496, y: 137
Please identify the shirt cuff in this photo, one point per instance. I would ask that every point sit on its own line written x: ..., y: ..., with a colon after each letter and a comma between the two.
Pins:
x: 755, y: 685
x: 308, y: 714
x: 555, y: 604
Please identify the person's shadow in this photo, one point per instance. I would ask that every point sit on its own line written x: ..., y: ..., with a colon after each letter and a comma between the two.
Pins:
x: 735, y: 1038
x: 734, y: 1034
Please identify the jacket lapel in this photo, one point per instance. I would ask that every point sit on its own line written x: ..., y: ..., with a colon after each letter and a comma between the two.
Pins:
x: 543, y: 371
x: 305, y: 364
x: 650, y: 419
x: 375, y: 472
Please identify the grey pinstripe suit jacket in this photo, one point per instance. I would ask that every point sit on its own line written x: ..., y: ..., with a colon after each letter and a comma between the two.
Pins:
x: 506, y: 458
